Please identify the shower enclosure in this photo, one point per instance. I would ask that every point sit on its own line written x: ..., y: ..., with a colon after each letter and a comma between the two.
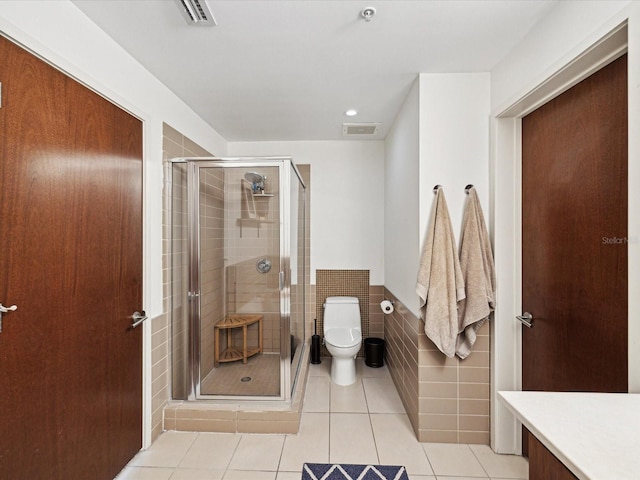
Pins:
x: 238, y: 268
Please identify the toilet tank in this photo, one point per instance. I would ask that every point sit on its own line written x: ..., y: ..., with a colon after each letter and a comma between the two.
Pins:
x: 341, y: 312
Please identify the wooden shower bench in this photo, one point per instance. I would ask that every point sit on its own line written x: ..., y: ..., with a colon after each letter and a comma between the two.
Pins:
x: 231, y: 353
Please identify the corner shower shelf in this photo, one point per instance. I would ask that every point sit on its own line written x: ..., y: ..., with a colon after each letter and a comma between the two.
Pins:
x: 255, y: 210
x: 232, y: 353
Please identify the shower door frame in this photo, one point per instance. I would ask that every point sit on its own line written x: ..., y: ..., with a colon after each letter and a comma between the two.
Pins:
x: 194, y: 164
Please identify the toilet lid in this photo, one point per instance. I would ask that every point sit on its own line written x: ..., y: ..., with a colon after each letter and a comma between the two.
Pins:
x: 343, y: 337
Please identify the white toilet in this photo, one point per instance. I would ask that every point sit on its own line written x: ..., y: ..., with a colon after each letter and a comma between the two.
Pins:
x: 342, y: 337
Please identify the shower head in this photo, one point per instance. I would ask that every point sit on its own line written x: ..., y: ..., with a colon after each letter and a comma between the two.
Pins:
x: 253, y: 177
x: 256, y: 180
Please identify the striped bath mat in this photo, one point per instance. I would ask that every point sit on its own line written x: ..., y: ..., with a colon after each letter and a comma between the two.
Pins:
x: 328, y: 471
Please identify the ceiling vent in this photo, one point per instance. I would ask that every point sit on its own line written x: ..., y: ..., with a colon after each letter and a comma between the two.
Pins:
x: 354, y: 129
x: 197, y: 13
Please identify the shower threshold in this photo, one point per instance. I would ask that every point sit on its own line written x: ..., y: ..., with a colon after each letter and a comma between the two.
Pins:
x: 242, y: 416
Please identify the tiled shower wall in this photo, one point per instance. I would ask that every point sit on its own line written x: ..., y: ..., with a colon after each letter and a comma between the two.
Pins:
x: 212, y: 255
x: 310, y: 307
x: 447, y: 399
x: 251, y: 233
x: 178, y: 264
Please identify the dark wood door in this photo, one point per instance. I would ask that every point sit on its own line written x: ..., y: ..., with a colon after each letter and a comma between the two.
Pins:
x: 574, y: 234
x: 71, y: 260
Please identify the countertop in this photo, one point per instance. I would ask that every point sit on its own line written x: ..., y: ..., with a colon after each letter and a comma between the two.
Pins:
x: 596, y: 435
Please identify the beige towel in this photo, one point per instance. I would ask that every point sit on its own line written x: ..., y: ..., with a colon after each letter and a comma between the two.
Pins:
x: 476, y: 262
x: 440, y: 284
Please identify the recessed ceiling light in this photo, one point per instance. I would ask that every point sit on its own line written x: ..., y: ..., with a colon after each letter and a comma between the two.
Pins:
x: 351, y: 112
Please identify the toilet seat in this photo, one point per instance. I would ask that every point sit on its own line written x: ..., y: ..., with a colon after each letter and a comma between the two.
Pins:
x: 343, y: 337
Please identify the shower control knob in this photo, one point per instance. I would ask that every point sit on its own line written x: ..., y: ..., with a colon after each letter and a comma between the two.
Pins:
x: 263, y: 265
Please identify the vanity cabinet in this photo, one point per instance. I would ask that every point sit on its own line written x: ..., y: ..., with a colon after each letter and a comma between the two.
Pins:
x: 544, y: 465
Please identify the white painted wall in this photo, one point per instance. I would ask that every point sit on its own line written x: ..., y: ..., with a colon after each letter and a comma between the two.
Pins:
x: 62, y: 35
x: 454, y: 142
x: 561, y: 38
x: 439, y: 137
x: 401, y: 208
x: 347, y: 200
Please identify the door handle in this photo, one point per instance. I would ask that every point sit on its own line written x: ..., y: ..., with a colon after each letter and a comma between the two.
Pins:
x: 138, y: 318
x: 526, y: 318
x: 4, y: 309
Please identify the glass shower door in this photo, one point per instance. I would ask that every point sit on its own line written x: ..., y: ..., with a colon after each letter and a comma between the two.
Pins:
x: 298, y: 271
x: 239, y: 278
x: 237, y: 288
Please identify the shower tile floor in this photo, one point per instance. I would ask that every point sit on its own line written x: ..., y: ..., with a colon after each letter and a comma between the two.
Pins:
x: 362, y: 423
x: 226, y: 379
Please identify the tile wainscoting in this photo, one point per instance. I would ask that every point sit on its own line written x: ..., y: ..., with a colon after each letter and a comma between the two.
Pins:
x: 446, y: 399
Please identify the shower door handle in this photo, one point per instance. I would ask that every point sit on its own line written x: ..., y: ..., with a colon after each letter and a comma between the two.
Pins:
x: 281, y: 280
x: 138, y: 318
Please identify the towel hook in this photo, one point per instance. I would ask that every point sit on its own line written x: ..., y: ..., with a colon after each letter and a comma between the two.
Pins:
x: 467, y: 188
x: 436, y: 188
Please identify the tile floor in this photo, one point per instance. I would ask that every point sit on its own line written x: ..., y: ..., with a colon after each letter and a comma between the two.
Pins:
x: 363, y: 423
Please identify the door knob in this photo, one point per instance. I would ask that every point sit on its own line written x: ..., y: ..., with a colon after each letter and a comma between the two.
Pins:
x: 138, y: 318
x: 526, y: 318
x: 4, y: 309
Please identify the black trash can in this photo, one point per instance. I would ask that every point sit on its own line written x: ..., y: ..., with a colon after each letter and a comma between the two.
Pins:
x: 374, y: 352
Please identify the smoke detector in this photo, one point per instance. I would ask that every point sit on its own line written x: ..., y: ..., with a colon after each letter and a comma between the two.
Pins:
x: 197, y: 13
x: 368, y: 13
x: 357, y: 129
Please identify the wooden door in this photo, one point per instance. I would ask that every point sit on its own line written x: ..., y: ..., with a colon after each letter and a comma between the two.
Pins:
x: 574, y: 234
x: 71, y: 260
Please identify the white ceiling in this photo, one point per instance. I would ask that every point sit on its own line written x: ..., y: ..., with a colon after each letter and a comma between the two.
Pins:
x: 288, y: 70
